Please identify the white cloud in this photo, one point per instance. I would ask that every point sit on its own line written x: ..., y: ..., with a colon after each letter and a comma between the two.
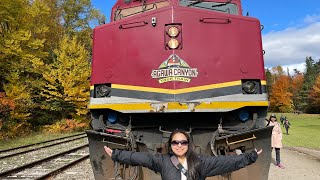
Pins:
x: 300, y: 67
x: 312, y: 18
x: 290, y: 47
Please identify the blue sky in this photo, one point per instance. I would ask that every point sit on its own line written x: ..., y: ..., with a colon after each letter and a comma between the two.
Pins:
x: 291, y: 29
x: 277, y: 15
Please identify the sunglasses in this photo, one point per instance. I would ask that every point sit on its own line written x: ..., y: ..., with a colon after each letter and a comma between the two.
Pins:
x: 176, y: 143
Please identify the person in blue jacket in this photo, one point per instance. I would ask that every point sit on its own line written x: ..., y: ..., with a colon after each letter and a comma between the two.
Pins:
x: 182, y: 162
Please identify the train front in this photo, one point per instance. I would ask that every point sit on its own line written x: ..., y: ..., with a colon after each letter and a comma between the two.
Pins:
x: 167, y: 64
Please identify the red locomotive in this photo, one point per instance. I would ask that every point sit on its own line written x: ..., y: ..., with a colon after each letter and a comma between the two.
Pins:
x: 195, y: 65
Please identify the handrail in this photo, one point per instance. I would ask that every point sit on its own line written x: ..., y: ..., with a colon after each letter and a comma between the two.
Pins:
x: 253, y: 137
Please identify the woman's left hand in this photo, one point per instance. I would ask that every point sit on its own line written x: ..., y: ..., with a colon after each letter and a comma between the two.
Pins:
x: 258, y: 152
x: 108, y: 150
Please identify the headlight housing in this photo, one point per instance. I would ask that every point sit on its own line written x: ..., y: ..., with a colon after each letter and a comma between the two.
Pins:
x: 102, y: 90
x: 250, y: 87
x: 173, y: 36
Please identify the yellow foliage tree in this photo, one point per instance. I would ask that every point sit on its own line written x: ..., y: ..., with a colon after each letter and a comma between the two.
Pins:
x: 29, y: 33
x: 67, y: 79
x: 22, y: 36
x: 22, y: 57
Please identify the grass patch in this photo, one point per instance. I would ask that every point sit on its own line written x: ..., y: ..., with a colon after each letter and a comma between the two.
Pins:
x: 31, y: 139
x: 304, y: 130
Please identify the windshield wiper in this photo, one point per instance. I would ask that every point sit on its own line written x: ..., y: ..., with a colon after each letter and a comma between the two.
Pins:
x: 218, y: 5
x: 194, y: 3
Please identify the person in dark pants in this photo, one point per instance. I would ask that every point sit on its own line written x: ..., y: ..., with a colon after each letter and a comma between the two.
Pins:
x: 286, y: 125
x: 276, y: 139
x: 282, y: 118
x: 182, y: 162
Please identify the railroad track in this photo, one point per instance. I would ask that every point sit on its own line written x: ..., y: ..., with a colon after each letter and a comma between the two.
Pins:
x: 36, y: 146
x: 46, y: 167
x: 44, y: 159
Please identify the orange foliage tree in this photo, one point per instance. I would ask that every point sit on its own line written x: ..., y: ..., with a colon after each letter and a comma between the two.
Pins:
x: 66, y: 125
x: 280, y: 99
x: 6, y: 106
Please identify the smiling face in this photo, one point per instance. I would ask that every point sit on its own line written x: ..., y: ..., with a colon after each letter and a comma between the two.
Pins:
x: 179, y: 145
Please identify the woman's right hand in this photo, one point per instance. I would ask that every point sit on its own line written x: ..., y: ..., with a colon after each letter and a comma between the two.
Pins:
x: 108, y: 150
x: 258, y: 152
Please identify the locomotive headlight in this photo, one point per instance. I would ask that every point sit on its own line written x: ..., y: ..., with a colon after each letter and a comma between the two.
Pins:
x: 103, y: 90
x: 173, y: 31
x: 173, y: 43
x: 250, y: 87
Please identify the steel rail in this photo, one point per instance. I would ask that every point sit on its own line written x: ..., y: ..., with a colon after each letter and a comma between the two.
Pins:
x: 29, y: 150
x: 29, y: 165
x: 55, y: 171
x: 15, y: 148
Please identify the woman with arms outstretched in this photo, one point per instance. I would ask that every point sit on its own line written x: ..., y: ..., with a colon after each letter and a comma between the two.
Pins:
x: 182, y: 162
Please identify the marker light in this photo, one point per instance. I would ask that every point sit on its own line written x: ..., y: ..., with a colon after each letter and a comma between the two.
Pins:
x: 243, y: 115
x: 173, y: 43
x: 173, y: 31
x: 112, y: 117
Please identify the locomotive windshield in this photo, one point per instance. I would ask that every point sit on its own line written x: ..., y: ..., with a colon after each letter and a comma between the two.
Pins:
x: 215, y: 6
x: 121, y: 13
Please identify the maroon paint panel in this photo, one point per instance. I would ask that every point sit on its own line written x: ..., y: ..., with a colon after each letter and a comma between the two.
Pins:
x: 221, y: 52
x: 128, y: 56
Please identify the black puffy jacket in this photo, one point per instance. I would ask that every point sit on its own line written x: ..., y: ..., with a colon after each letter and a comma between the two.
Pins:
x: 210, y: 165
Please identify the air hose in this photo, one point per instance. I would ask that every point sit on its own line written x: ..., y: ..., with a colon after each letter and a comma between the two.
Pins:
x: 220, y: 130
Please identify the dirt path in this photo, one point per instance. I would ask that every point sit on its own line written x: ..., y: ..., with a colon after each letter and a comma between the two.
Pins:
x: 298, y: 165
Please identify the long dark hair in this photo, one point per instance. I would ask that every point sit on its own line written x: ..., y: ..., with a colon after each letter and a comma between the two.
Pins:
x: 192, y: 158
x: 272, y: 115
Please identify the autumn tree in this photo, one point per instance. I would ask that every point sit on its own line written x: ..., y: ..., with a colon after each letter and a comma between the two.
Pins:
x: 315, y: 96
x: 10, y: 14
x: 276, y: 72
x: 78, y: 17
x: 272, y: 76
x: 66, y: 90
x: 6, y: 106
x: 310, y: 75
x: 30, y: 34
x: 280, y: 100
x: 22, y: 57
x: 20, y: 93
